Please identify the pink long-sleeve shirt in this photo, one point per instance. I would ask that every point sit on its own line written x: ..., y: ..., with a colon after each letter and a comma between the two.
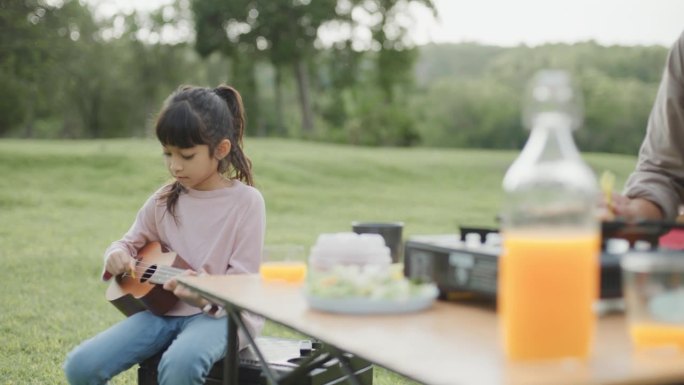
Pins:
x: 220, y: 231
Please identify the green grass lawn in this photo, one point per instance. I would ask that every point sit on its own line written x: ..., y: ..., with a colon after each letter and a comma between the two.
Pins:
x: 63, y: 202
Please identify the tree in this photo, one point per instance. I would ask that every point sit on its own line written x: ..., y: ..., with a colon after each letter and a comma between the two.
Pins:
x: 283, y: 31
x: 395, y: 52
x: 155, y: 66
x: 219, y: 28
x: 481, y: 113
x: 616, y: 113
x: 27, y: 52
x: 290, y: 29
x: 381, y: 115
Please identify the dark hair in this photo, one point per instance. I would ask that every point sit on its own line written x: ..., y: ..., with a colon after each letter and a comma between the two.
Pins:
x: 194, y: 116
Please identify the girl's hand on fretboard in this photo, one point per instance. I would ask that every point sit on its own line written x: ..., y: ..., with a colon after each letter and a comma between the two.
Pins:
x: 185, y: 294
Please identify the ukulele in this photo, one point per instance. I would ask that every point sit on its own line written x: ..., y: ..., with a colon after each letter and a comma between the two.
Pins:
x: 153, y: 267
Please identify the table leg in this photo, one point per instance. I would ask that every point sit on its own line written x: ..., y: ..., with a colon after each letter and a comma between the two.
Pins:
x: 345, y: 365
x: 264, y: 364
x: 231, y: 360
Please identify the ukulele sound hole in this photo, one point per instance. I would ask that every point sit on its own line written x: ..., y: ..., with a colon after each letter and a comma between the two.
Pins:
x: 149, y: 272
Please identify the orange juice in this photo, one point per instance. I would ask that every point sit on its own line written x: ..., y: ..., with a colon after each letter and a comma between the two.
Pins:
x: 653, y: 334
x: 288, y: 271
x: 547, y: 286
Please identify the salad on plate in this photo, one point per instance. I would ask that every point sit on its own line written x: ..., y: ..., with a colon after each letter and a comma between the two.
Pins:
x: 367, y: 289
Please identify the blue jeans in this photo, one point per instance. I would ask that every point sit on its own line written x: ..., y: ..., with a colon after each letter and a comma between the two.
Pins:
x: 194, y: 343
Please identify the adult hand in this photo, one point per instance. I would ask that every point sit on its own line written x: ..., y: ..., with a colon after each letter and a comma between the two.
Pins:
x: 629, y: 209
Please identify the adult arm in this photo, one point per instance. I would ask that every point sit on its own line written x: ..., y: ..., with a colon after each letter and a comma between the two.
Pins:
x: 656, y: 187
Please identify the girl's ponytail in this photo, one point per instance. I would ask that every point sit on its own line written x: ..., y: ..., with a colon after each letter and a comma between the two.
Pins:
x: 241, y: 163
x: 237, y: 110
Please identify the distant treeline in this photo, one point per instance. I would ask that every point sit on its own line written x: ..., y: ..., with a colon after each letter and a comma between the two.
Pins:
x: 66, y: 74
x: 470, y: 95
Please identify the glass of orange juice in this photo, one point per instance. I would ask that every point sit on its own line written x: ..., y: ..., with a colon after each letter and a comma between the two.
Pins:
x: 653, y: 288
x: 284, y: 263
x: 548, y: 282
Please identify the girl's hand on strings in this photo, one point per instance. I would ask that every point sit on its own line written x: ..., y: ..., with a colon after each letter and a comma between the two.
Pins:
x: 119, y: 262
x: 184, y: 293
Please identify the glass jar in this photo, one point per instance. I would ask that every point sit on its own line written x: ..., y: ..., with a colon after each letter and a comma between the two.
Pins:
x: 549, y: 267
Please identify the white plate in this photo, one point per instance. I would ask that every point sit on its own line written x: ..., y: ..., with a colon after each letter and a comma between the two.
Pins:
x: 370, y: 306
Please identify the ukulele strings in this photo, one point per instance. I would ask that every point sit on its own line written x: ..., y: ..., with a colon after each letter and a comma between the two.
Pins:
x: 158, y: 275
x: 158, y: 271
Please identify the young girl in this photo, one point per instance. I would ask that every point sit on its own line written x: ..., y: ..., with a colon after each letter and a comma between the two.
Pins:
x: 211, y: 216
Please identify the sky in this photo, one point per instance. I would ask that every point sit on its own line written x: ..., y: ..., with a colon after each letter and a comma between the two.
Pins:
x: 533, y: 22
x: 530, y: 22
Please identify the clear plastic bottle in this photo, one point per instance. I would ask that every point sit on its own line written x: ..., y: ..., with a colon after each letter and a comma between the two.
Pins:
x: 549, y: 268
